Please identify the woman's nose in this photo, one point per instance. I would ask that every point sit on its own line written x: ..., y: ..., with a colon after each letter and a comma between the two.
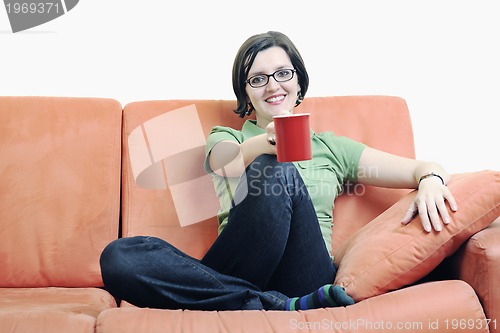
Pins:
x: 273, y: 85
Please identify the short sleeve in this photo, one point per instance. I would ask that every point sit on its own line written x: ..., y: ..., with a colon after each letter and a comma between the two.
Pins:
x: 218, y: 134
x: 347, y: 153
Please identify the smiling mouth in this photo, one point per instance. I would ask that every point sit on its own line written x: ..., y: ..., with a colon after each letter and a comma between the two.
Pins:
x: 275, y: 99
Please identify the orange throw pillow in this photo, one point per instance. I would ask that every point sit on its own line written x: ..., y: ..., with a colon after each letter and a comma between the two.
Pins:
x: 385, y: 255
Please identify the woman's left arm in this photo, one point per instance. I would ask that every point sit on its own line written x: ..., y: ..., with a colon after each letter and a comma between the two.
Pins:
x: 382, y: 169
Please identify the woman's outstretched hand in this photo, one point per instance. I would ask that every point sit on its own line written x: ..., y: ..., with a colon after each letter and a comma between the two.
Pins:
x: 430, y: 205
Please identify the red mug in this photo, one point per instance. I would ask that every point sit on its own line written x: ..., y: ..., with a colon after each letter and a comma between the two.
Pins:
x: 293, y: 137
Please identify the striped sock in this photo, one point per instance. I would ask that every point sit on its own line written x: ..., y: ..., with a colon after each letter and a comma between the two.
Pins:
x: 326, y: 296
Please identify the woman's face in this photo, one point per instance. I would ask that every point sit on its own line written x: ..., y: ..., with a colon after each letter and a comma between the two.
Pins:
x: 275, y: 98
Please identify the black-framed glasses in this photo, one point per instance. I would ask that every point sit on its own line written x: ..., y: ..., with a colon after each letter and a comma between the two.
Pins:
x: 281, y: 75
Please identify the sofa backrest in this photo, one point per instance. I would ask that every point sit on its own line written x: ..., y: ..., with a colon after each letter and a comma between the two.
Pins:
x: 166, y: 194
x: 382, y: 122
x: 60, y: 162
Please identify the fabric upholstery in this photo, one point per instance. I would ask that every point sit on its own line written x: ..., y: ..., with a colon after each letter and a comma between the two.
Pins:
x: 88, y: 301
x: 46, y: 322
x: 477, y: 264
x: 59, y: 189
x: 385, y: 255
x: 52, y: 310
x: 385, y: 313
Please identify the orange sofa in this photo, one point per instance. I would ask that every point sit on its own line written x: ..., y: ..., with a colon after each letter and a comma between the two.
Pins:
x: 76, y: 173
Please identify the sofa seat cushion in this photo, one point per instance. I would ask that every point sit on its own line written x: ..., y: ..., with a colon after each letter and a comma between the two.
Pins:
x: 46, y: 322
x: 52, y: 309
x: 450, y: 299
x: 89, y: 301
x: 385, y: 255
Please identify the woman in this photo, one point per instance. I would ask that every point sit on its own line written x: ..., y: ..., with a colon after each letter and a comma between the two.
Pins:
x: 273, y: 248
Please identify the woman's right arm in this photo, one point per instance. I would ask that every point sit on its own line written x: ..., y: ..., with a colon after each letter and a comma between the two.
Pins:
x: 229, y: 158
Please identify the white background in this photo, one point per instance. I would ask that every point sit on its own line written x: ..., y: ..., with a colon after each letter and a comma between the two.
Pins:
x: 443, y: 57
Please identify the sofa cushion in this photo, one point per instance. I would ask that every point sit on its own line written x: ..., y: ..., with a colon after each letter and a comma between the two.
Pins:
x: 88, y: 301
x: 385, y: 255
x: 46, y: 322
x: 384, y: 313
x: 52, y: 309
x: 151, y: 210
x: 59, y: 189
x: 477, y: 263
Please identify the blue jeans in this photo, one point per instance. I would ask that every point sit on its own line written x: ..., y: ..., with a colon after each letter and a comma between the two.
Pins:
x: 270, y: 250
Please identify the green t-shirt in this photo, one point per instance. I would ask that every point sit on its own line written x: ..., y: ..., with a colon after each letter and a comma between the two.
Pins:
x: 334, y: 161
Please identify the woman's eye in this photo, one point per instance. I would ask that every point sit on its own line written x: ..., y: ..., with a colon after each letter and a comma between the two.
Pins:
x: 283, y: 73
x: 257, y: 79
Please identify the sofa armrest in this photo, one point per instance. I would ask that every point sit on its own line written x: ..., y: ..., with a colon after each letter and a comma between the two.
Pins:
x: 478, y: 264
